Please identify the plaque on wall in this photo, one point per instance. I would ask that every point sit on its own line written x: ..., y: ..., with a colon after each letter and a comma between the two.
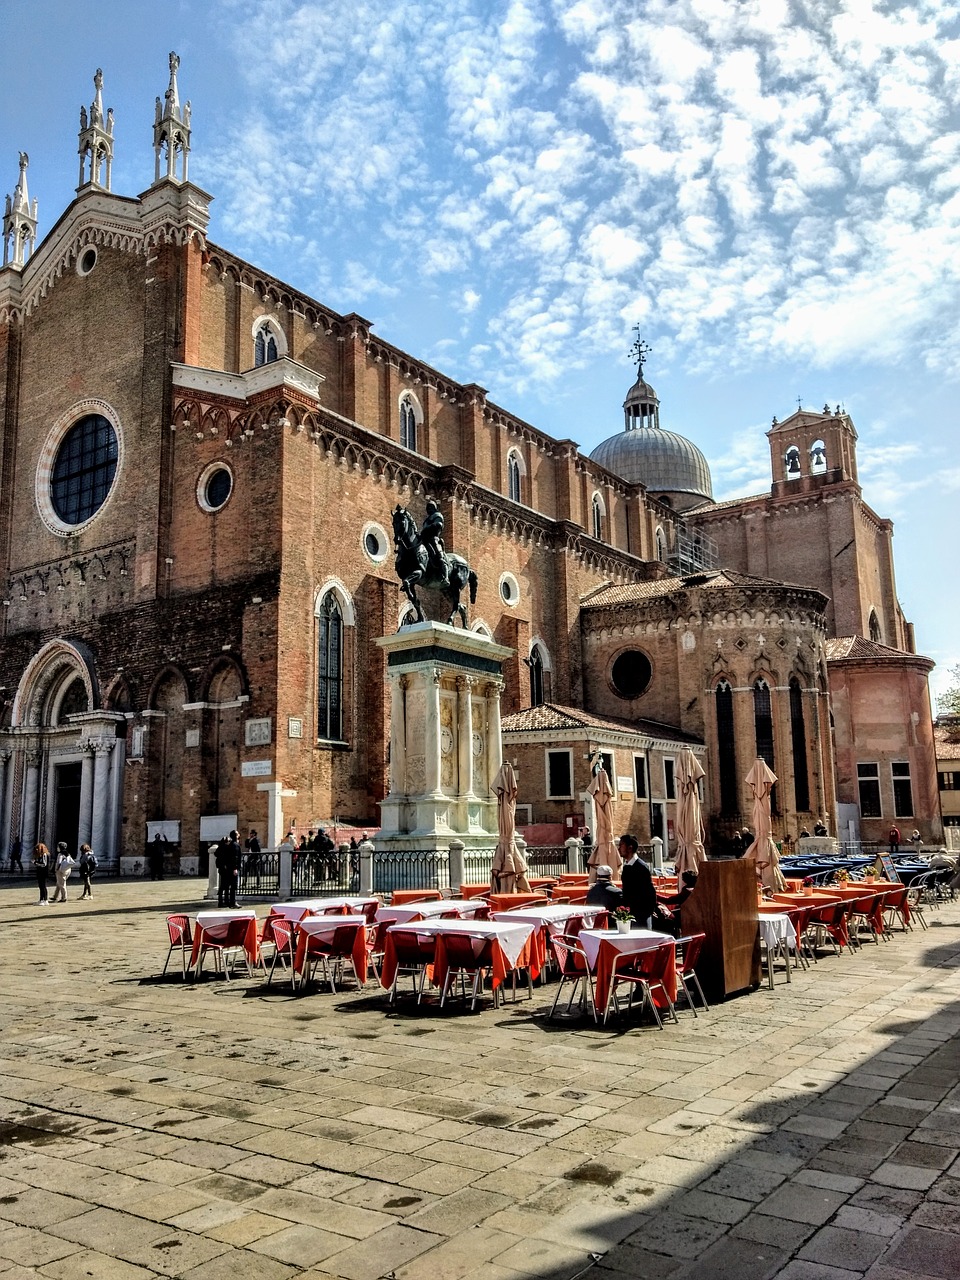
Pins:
x: 294, y: 727
x: 257, y: 733
x: 192, y: 738
x: 256, y: 768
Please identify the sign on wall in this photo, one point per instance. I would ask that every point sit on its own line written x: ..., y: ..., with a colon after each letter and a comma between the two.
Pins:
x: 256, y: 768
x: 169, y: 830
x: 257, y: 733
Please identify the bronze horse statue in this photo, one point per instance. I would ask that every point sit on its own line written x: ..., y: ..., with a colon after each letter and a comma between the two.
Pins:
x: 441, y: 571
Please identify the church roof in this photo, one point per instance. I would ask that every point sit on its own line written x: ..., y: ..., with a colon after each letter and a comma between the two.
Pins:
x: 551, y: 717
x: 661, y: 460
x: 858, y: 648
x: 711, y: 580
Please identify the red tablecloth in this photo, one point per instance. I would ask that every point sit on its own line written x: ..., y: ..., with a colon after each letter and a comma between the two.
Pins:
x: 654, y: 955
x: 238, y: 932
x: 315, y: 933
x: 515, y: 946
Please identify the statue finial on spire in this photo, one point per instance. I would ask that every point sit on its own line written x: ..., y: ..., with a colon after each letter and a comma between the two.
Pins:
x: 19, y: 220
x: 171, y: 128
x: 640, y: 350
x: 96, y: 139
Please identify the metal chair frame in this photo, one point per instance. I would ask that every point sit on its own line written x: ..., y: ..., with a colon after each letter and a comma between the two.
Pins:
x: 181, y: 939
x: 688, y: 952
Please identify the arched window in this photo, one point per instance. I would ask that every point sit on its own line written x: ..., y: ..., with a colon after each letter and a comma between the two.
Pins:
x: 408, y: 423
x: 536, y: 677
x: 514, y: 477
x: 726, y: 749
x: 598, y: 514
x: 661, y: 545
x: 792, y: 459
x: 330, y: 669
x: 876, y: 635
x: 763, y: 730
x: 798, y: 735
x: 818, y: 458
x: 264, y: 345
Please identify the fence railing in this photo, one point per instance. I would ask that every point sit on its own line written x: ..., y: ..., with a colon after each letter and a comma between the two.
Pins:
x: 259, y: 875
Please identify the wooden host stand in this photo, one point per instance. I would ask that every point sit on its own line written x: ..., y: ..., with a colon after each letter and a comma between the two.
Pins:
x: 724, y: 907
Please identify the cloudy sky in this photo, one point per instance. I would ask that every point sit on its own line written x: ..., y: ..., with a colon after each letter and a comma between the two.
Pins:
x: 769, y: 188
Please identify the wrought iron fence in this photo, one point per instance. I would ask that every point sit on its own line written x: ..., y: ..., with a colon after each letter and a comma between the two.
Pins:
x: 477, y: 865
x: 411, y: 869
x: 547, y: 860
x: 259, y: 875
x: 326, y: 875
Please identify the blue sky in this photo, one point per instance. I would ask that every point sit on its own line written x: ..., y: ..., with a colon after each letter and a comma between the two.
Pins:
x: 505, y: 187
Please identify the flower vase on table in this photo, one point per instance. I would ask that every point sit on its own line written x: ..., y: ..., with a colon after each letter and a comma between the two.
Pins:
x: 622, y: 919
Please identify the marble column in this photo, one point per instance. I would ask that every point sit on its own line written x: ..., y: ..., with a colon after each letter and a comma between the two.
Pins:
x: 398, y: 734
x: 86, y: 795
x: 6, y: 837
x: 465, y: 719
x: 431, y: 682
x: 101, y: 794
x: 31, y: 791
x: 494, y: 751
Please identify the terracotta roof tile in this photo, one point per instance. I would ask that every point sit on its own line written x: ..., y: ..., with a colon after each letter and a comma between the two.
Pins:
x: 708, y: 580
x: 550, y: 717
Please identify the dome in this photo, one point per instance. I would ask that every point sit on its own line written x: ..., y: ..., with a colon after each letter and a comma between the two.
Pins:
x: 643, y: 453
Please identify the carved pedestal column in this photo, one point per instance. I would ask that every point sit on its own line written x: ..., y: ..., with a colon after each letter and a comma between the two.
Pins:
x: 31, y: 790
x: 101, y: 793
x: 465, y: 744
x: 85, y: 832
x: 431, y: 682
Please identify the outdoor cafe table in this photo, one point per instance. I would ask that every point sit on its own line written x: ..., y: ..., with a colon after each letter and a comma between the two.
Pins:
x: 324, y: 927
x: 779, y: 935
x: 295, y: 911
x: 514, y: 947
x: 236, y: 927
x: 547, y: 920
x: 876, y: 890
x: 424, y: 910
x: 817, y: 900
x: 603, y: 947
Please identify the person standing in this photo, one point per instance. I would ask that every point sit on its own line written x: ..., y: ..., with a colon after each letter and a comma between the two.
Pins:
x: 88, y: 865
x: 64, y: 865
x: 254, y: 856
x: 917, y: 839
x: 637, y: 882
x: 41, y: 865
x: 894, y: 837
x: 157, y: 853
x: 229, y: 861
x: 15, y: 850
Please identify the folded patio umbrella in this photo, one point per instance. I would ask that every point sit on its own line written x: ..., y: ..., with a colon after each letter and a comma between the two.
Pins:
x: 509, y: 871
x: 689, y: 831
x: 605, y: 852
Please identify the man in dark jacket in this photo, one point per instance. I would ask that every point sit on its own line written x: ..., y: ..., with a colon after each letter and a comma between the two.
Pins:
x: 603, y: 893
x: 638, y: 891
x: 229, y: 859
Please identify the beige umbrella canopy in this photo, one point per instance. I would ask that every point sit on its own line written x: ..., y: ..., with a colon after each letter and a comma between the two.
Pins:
x: 761, y: 780
x: 509, y: 871
x: 690, y: 851
x: 605, y: 852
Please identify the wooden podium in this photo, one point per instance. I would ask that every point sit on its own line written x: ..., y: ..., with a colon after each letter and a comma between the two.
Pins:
x: 724, y: 907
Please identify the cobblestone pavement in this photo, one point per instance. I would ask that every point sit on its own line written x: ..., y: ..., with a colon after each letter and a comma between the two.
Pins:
x: 223, y: 1129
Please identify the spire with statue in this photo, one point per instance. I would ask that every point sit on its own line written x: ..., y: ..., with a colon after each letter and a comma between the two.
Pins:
x: 96, y: 140
x: 19, y: 221
x: 171, y: 130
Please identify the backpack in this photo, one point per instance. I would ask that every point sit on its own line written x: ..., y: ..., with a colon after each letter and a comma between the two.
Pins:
x: 91, y: 864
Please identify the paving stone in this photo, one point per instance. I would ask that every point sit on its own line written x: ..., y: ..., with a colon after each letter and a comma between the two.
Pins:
x: 930, y: 1253
x: 801, y: 1203
x: 849, y: 1250
x: 384, y: 1252
x: 914, y: 1177
x: 737, y: 1259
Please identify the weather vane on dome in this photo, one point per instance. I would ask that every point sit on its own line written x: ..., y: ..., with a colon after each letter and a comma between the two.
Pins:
x: 640, y: 350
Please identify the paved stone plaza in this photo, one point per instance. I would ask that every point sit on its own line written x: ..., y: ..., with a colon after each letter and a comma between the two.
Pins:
x: 223, y: 1129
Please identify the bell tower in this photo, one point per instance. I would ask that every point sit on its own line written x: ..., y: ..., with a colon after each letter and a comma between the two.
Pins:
x: 809, y: 450
x: 171, y: 130
x: 96, y: 140
x: 19, y: 221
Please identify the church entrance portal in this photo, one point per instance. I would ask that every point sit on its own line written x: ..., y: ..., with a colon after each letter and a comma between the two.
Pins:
x: 67, y: 821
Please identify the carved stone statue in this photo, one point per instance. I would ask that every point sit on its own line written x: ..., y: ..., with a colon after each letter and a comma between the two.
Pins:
x: 422, y: 561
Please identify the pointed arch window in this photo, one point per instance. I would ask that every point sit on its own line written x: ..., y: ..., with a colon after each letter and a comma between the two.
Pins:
x: 597, y: 517
x: 726, y: 749
x: 798, y: 735
x: 536, y: 677
x: 661, y: 545
x: 876, y: 634
x: 763, y: 730
x: 264, y: 346
x: 514, y: 477
x: 408, y: 424
x: 330, y: 669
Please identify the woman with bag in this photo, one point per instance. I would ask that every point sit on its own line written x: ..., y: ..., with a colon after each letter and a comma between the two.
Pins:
x: 64, y: 866
x: 41, y: 862
x: 88, y: 865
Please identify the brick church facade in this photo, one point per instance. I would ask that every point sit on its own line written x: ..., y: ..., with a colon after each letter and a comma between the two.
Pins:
x: 198, y: 470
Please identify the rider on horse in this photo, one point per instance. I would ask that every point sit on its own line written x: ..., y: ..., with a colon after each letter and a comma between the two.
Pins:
x: 431, y: 537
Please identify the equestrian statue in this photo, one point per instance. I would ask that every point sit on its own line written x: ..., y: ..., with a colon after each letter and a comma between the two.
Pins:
x: 422, y: 561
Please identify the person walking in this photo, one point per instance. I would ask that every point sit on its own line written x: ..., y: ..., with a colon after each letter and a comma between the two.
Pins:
x: 917, y: 839
x: 88, y: 865
x: 15, y: 851
x: 64, y: 865
x: 41, y: 865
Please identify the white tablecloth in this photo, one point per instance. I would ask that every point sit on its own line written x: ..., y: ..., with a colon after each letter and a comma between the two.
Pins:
x: 331, y: 904
x: 401, y: 914
x: 210, y: 919
x: 624, y: 943
x: 319, y: 925
x: 512, y: 937
x: 554, y: 917
x: 776, y: 928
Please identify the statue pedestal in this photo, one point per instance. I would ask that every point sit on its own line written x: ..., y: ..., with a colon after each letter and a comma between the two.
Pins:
x: 445, y: 747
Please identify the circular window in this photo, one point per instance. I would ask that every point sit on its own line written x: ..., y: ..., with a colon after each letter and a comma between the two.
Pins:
x: 215, y: 487
x: 509, y: 590
x: 87, y: 261
x: 631, y: 673
x: 83, y: 470
x: 375, y: 543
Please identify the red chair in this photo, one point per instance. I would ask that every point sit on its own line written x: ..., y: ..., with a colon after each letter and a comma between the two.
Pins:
x: 284, y: 945
x: 466, y: 955
x: 414, y: 953
x: 896, y: 905
x: 574, y: 967
x: 332, y: 953
x: 829, y: 922
x: 181, y: 939
x: 860, y: 917
x: 688, y: 952
x: 636, y: 971
x: 370, y: 911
